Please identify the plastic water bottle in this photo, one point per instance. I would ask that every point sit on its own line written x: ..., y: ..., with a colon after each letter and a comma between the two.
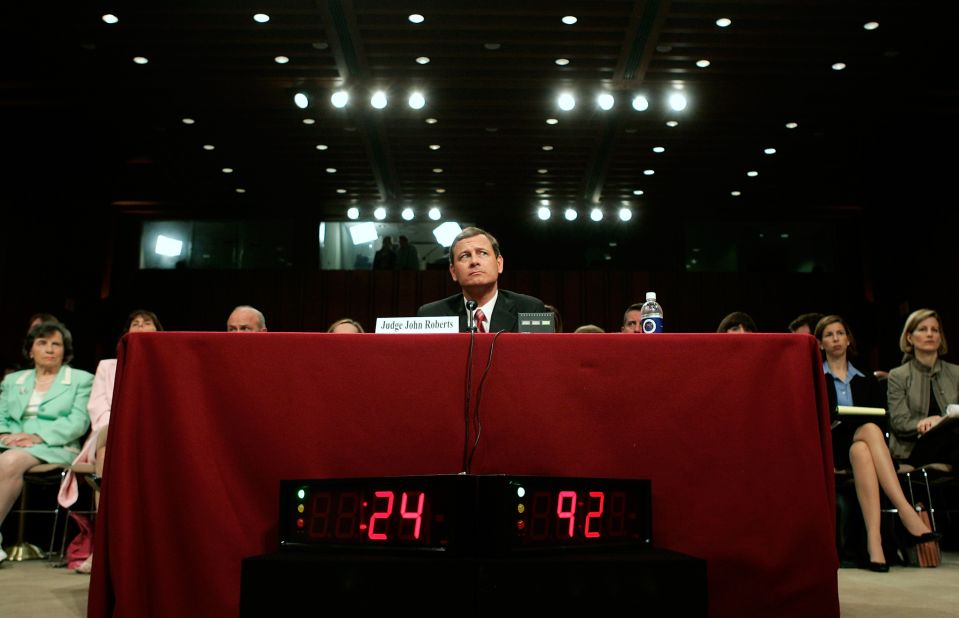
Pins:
x: 651, y: 315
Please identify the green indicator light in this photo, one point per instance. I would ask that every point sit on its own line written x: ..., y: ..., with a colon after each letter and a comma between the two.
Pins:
x: 300, y: 493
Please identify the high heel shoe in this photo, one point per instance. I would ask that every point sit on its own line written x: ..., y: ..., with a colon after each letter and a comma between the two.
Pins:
x: 878, y: 567
x: 923, y: 538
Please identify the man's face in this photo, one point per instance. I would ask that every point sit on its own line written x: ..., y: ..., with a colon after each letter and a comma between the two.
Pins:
x: 242, y: 321
x: 475, y: 263
x: 632, y: 323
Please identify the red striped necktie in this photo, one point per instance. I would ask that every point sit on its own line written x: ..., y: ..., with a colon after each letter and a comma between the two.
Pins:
x: 480, y: 318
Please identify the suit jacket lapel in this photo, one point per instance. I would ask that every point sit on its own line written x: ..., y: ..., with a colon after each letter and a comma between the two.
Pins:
x: 504, y: 314
x: 24, y: 389
x: 61, y: 384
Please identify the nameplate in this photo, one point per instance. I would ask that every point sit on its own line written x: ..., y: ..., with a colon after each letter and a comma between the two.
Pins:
x: 445, y: 324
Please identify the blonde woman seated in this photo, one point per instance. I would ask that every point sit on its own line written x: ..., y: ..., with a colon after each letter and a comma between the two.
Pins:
x: 862, y: 443
x: 43, y: 411
x: 345, y: 325
x: 101, y: 402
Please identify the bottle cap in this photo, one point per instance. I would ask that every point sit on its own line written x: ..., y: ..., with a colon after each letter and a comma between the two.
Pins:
x: 650, y: 295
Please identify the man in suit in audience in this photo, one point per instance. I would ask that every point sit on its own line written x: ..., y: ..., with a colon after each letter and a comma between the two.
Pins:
x: 246, y: 319
x: 633, y: 319
x: 476, y: 264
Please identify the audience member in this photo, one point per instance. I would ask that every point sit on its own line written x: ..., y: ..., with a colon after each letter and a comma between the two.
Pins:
x: 589, y: 328
x: 346, y: 325
x: 805, y: 324
x: 246, y: 319
x: 633, y: 319
x: 860, y: 442
x: 385, y: 258
x: 919, y: 391
x: 476, y: 264
x: 101, y: 402
x: 43, y: 411
x: 407, y: 257
x: 557, y: 318
x: 737, y: 322
x: 35, y: 319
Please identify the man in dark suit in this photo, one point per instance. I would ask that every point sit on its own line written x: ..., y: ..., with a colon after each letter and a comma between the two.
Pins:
x: 476, y: 264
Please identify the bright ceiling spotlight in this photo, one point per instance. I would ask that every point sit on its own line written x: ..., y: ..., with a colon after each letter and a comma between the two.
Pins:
x: 281, y: 59
x: 596, y: 214
x: 769, y: 151
x: 543, y: 213
x: 638, y: 192
x: 444, y: 233
x: 570, y: 214
x: 659, y: 149
x: 569, y: 20
x: 301, y: 100
x: 380, y: 213
x: 140, y: 59
x: 724, y: 22
x: 422, y: 60
x: 869, y: 25
x: 649, y: 172
x: 110, y: 18
x: 340, y: 98
x: 417, y: 100
x: 321, y: 146
x: 562, y: 61
x: 208, y: 147
x: 566, y: 101
x: 416, y: 18
x: 309, y: 121
x: 677, y: 101
x: 625, y: 214
x: 353, y: 213
x: 551, y: 121
x: 378, y: 100
x: 672, y: 123
x: 407, y: 214
x: 169, y: 247
x: 261, y: 18
x: 640, y: 103
x: 605, y: 101
x: 702, y: 64
x: 188, y: 121
x: 838, y: 66
x: 752, y: 173
x: 362, y: 233
x: 434, y: 214
x: 792, y: 125
x: 735, y: 193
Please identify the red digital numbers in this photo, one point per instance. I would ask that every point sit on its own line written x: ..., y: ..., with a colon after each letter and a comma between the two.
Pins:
x: 566, y: 515
x: 347, y: 516
x: 383, y: 515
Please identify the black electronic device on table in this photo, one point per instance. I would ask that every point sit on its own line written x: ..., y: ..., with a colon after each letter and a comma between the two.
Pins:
x: 465, y: 514
x: 468, y: 545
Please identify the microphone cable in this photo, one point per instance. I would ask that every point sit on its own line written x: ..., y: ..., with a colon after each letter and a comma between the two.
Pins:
x: 470, y: 307
x: 479, y: 397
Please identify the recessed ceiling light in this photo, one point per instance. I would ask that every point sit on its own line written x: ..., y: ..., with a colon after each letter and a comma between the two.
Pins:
x: 625, y: 214
x: 638, y: 192
x: 869, y: 25
x: 353, y: 213
x: 791, y: 125
x: 770, y: 151
x: 605, y: 101
x: 672, y: 123
x: 281, y: 59
x: 566, y: 101
x: 416, y: 100
x: 838, y: 66
x: 752, y: 173
x: 309, y: 121
x: 702, y: 64
x: 562, y: 61
x: 340, y: 98
x: 735, y: 193
x: 596, y: 214
x: 261, y: 18
x: 434, y: 146
x: 570, y: 214
x: 542, y: 170
x: 208, y: 146
x: 440, y: 190
x: 547, y: 147
x: 437, y: 170
x: 543, y: 213
x: 492, y: 46
x: 188, y: 121
x: 658, y: 149
x: 677, y: 101
x: 110, y: 18
x: 640, y: 103
x: 540, y: 191
x: 407, y: 214
x: 240, y: 190
x: 227, y: 170
x: 434, y: 214
x: 379, y: 212
x: 378, y: 100
x: 724, y: 22
x: 331, y: 170
x: 416, y: 18
x: 301, y: 100
x: 431, y: 121
x: 341, y: 190
x: 321, y: 146
x: 648, y: 172
x: 544, y: 202
x: 140, y: 59
x: 422, y: 60
x: 569, y: 20
x: 551, y: 121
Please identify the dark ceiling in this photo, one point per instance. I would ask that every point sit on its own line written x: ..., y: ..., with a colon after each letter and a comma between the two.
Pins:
x: 80, y: 116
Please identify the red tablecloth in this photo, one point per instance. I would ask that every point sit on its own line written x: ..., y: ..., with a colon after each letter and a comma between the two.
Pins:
x: 733, y: 431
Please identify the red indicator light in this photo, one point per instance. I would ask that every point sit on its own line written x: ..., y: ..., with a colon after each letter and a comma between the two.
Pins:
x: 300, y: 523
x: 520, y: 525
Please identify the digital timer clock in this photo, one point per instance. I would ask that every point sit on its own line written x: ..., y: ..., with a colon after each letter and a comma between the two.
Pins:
x: 464, y: 514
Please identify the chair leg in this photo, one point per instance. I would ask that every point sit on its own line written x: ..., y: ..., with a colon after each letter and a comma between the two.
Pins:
x: 23, y: 550
x: 932, y: 511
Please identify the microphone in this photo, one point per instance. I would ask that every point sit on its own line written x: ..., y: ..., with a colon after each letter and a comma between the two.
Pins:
x: 470, y: 316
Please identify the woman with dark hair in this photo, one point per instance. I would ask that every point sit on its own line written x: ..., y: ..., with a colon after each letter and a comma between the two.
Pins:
x: 737, y: 322
x: 862, y: 444
x: 101, y: 401
x: 43, y: 411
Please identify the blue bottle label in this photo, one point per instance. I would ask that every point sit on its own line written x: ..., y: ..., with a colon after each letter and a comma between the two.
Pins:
x: 652, y: 325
